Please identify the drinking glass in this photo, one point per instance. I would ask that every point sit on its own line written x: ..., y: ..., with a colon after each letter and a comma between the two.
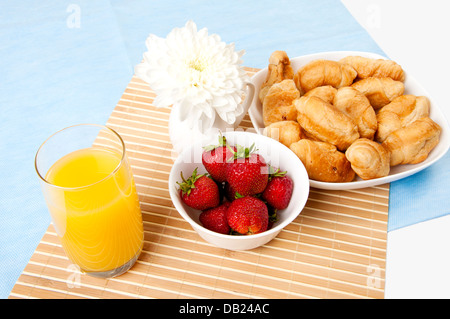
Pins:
x: 91, y: 196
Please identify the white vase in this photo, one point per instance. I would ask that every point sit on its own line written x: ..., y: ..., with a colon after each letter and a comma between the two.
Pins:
x: 182, y: 134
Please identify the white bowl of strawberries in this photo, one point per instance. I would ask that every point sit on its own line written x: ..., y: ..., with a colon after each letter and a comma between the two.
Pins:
x: 238, y: 190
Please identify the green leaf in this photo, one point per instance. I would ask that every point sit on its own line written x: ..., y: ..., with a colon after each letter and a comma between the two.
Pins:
x: 242, y: 152
x: 237, y: 195
x: 275, y: 172
x: 187, y: 185
x: 273, y: 217
x: 222, y: 142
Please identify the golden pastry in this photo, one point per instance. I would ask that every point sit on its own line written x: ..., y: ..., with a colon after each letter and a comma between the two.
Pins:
x: 324, y: 122
x: 379, y: 91
x: 368, y: 67
x: 285, y: 132
x: 412, y: 144
x: 368, y: 158
x: 279, y: 69
x: 323, y: 72
x: 278, y: 102
x: 355, y: 104
x: 402, y: 111
x: 323, y: 162
x: 326, y: 93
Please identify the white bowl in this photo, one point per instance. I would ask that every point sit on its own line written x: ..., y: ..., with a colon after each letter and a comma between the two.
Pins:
x: 411, y: 87
x: 275, y: 154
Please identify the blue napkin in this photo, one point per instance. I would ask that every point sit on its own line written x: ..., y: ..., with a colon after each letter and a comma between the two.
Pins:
x: 298, y: 27
x: 420, y: 197
x: 54, y: 73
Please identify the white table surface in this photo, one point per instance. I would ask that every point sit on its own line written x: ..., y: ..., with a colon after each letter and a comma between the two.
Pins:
x: 418, y: 258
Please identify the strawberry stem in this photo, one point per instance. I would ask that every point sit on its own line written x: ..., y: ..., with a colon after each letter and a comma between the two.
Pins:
x: 273, y: 217
x: 275, y: 172
x: 242, y: 152
x: 187, y: 185
x: 222, y: 142
x: 237, y: 195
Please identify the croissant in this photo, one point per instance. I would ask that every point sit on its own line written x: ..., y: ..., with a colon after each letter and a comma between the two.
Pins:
x: 412, y: 144
x: 324, y: 122
x: 368, y: 159
x: 367, y: 67
x: 277, y: 104
x: 326, y: 93
x: 402, y: 111
x: 379, y: 91
x: 285, y: 132
x: 279, y: 69
x: 323, y: 162
x: 355, y: 104
x: 323, y: 72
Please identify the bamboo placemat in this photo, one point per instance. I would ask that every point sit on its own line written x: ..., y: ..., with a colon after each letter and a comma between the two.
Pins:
x: 336, y: 248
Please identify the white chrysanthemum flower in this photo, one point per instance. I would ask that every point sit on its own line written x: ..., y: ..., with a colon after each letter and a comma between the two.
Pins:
x: 198, y: 71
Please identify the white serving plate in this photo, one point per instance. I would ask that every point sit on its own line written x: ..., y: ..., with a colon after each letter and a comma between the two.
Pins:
x: 411, y: 87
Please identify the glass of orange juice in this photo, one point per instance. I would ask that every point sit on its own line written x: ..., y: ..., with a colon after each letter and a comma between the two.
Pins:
x: 91, y: 196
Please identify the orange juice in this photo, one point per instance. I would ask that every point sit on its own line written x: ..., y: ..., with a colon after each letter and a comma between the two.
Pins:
x: 95, y: 209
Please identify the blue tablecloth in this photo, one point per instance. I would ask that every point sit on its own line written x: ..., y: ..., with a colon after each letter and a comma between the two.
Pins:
x: 68, y: 62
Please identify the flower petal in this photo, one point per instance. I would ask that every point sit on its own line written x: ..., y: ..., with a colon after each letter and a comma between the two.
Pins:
x: 198, y: 72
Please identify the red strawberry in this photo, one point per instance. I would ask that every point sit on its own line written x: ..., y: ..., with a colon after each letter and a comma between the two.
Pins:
x: 214, y: 158
x: 215, y: 219
x: 199, y: 191
x: 248, y: 215
x: 247, y: 173
x: 278, y: 192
